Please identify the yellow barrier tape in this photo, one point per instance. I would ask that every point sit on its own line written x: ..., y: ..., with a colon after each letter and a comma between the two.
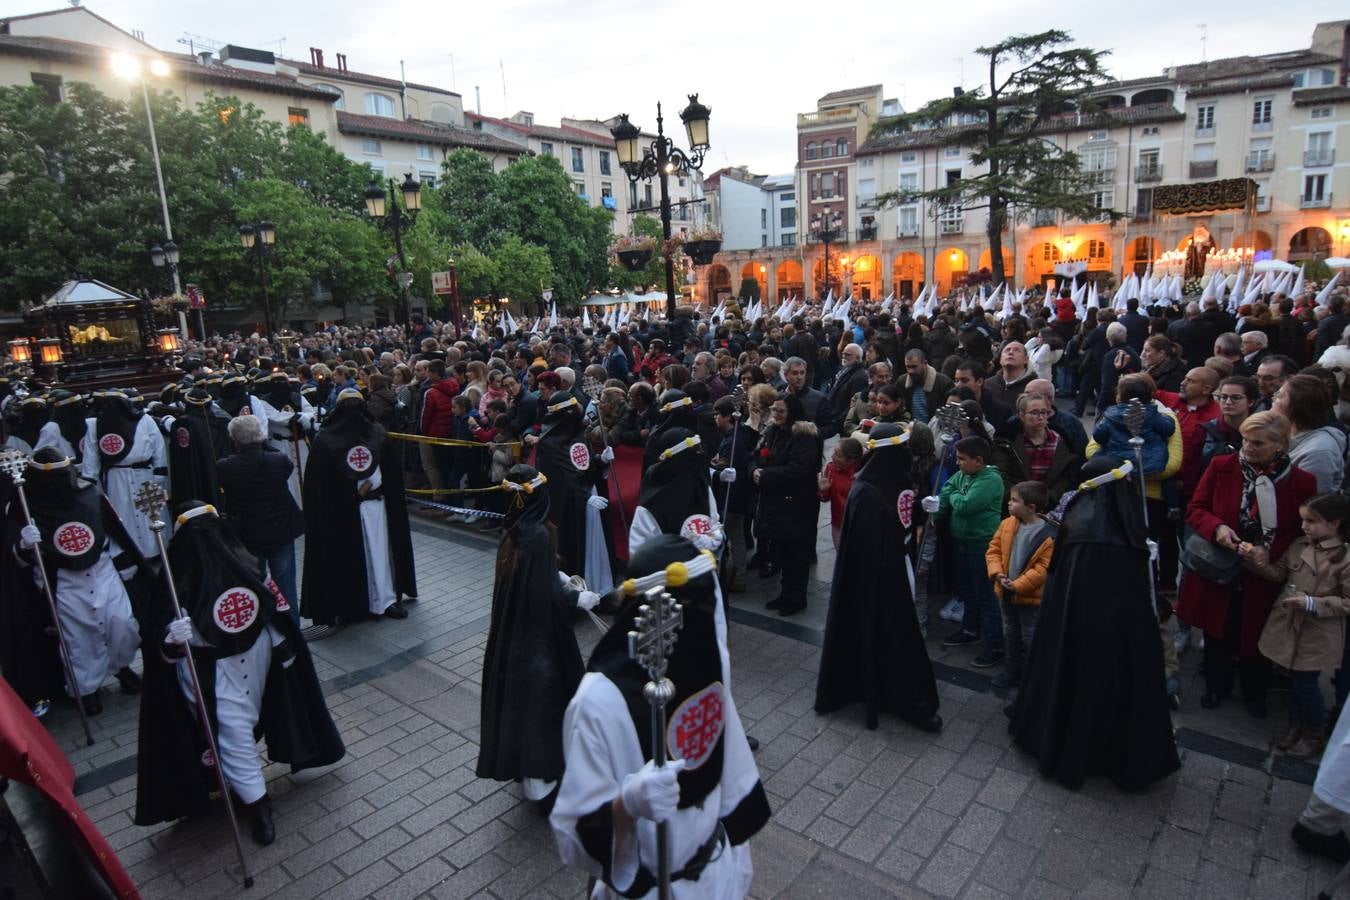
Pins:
x: 451, y: 442
x: 495, y: 489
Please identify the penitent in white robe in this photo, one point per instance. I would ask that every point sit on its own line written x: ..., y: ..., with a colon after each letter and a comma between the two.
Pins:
x: 375, y: 543
x: 601, y: 747
x: 121, y: 481
x: 96, y: 619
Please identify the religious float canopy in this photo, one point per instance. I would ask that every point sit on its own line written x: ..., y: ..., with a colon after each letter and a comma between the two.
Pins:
x: 1204, y: 197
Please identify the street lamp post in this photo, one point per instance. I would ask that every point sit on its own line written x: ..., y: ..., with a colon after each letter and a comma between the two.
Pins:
x: 659, y: 160
x: 825, y: 228
x: 389, y: 215
x: 129, y: 67
x: 258, y: 243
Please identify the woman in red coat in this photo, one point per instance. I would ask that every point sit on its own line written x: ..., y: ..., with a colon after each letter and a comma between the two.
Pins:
x: 1250, y: 497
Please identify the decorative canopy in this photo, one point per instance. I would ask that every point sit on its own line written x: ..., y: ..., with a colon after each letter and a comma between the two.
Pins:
x: 87, y: 290
x: 1206, y: 196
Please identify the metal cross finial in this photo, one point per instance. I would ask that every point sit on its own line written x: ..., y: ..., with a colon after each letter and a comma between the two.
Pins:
x: 12, y: 463
x: 1134, y: 417
x: 951, y: 417
x: 150, y: 500
x: 654, y: 636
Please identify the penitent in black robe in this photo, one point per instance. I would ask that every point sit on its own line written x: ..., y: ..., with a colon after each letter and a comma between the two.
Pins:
x: 873, y: 652
x: 532, y: 665
x: 1094, y: 696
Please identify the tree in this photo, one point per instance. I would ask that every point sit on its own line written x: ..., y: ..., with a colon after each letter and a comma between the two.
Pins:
x: 468, y: 198
x: 475, y: 272
x: 1033, y: 79
x: 521, y: 268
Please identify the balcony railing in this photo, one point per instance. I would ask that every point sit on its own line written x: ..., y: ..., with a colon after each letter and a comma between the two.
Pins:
x: 828, y: 117
x: 867, y: 232
x: 1316, y: 202
x: 1263, y: 126
x: 1148, y: 173
x: 1204, y: 132
x: 1319, y: 157
x: 1043, y: 218
x: 1204, y: 169
x: 951, y: 226
x: 867, y: 201
x: 907, y: 231
x: 1260, y: 162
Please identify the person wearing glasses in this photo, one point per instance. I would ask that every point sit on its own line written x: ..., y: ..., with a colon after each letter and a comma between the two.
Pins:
x: 1037, y: 452
x: 1236, y: 396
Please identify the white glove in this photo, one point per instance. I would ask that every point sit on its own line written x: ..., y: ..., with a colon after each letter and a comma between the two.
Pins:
x: 727, y: 475
x: 652, y: 793
x: 29, y: 536
x: 128, y: 573
x: 180, y: 631
x: 1152, y: 551
x: 930, y: 504
x: 563, y: 578
x: 587, y: 600
x: 595, y: 501
x: 607, y: 455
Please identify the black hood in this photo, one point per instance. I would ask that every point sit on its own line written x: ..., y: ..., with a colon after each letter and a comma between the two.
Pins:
x: 676, y: 486
x: 887, y: 466
x: 116, y: 428
x: 529, y: 507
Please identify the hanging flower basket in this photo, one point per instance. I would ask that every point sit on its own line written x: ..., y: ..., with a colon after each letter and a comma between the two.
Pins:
x: 702, y: 251
x: 634, y: 260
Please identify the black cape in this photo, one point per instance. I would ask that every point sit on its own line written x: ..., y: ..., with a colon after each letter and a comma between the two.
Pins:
x: 1094, y: 696
x: 568, y: 486
x: 194, y: 446
x: 675, y: 488
x: 334, y: 583
x: 873, y: 651
x: 173, y: 780
x: 532, y: 666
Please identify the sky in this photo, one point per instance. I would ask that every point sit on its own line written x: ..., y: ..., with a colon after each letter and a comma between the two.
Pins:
x: 755, y: 63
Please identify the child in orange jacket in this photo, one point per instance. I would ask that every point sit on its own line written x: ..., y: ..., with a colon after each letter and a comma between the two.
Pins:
x: 1017, y: 559
x: 834, y: 483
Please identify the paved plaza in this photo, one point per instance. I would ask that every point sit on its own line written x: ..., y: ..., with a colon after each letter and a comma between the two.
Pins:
x: 856, y: 814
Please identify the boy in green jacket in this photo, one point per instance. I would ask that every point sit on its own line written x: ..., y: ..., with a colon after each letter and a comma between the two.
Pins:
x: 972, y: 503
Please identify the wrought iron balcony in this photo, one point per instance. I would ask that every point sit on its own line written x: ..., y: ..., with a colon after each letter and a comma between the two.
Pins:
x: 867, y: 201
x: 1204, y: 168
x: 908, y: 231
x: 1148, y: 173
x: 1324, y: 157
x: 1322, y: 201
x: 1260, y: 162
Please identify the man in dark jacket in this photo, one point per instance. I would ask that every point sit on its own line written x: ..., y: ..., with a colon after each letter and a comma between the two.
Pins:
x: 925, y: 388
x: 851, y: 378
x: 1194, y: 335
x: 1329, y: 330
x: 258, y: 505
x: 815, y: 405
x: 998, y: 414
x: 1090, y: 363
x: 1136, y: 325
x: 797, y: 341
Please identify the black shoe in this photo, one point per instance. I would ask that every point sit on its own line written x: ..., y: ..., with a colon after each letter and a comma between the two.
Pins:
x: 753, y: 742
x: 92, y: 704
x: 932, y: 724
x: 960, y: 638
x: 396, y: 611
x: 987, y: 659
x: 264, y: 831
x: 791, y: 609
x: 774, y: 603
x: 1332, y: 846
x: 1211, y: 700
x: 409, y: 599
x: 1256, y: 708
x: 129, y: 680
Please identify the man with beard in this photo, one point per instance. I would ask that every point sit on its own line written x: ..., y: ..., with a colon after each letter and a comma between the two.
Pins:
x: 1094, y: 698
x: 562, y: 456
x: 26, y: 418
x: 354, y: 488
x: 88, y: 555
x: 256, y: 676
x: 289, y: 418
x: 127, y: 451
x: 709, y: 794
x: 68, y: 429
x: 873, y: 649
x: 531, y: 666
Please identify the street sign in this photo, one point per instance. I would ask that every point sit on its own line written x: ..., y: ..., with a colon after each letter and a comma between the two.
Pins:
x: 440, y: 283
x: 405, y: 279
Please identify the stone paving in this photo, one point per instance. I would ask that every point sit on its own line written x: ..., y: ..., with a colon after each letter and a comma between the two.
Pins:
x: 888, y: 813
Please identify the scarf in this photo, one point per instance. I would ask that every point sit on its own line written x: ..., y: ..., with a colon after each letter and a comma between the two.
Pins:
x: 1257, y: 513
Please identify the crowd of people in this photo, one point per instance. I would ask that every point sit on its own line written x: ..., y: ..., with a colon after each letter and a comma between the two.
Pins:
x: 1201, y: 505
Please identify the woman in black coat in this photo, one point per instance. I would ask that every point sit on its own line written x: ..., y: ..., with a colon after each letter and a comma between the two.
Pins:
x: 784, y: 469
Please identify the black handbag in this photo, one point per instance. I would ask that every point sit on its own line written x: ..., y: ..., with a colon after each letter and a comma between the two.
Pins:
x: 1207, y: 559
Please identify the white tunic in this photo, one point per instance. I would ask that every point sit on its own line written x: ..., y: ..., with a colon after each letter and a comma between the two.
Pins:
x: 121, y: 482
x: 240, y: 681
x: 375, y: 543
x: 51, y: 436
x: 281, y: 439
x: 96, y: 620
x: 599, y: 575
x: 600, y: 748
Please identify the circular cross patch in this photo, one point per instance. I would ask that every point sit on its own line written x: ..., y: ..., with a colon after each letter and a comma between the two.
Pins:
x: 245, y: 410
x: 183, y: 437
x: 696, y: 727
x: 73, y: 539
x: 696, y: 526
x: 235, y: 610
x: 359, y: 458
x: 580, y: 455
x: 111, y: 444
x: 208, y: 759
x: 904, y: 507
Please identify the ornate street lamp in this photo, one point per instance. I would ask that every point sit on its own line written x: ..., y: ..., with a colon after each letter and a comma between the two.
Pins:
x: 391, y: 216
x: 258, y: 242
x: 825, y: 228
x: 659, y: 160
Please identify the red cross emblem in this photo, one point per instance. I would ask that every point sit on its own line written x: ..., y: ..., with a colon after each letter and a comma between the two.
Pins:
x: 359, y: 458
x: 904, y: 507
x: 581, y: 456
x: 245, y: 410
x: 73, y: 538
x: 235, y: 610
x: 696, y: 727
x: 208, y: 759
x: 111, y: 444
x: 183, y: 436
x: 696, y: 526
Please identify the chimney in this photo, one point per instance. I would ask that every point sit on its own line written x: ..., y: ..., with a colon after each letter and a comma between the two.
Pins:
x: 316, y: 57
x: 204, y: 57
x: 342, y: 62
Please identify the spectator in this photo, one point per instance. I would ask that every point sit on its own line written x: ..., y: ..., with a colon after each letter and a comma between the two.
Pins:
x: 1159, y: 358
x: 381, y: 402
x: 814, y: 403
x: 1069, y: 426
x: 1255, y: 348
x: 1331, y: 329
x: 1136, y: 325
x: 1229, y: 346
x: 1016, y: 561
x: 848, y: 381
x: 1120, y: 359
x: 1014, y: 372
x: 836, y: 480
x: 970, y: 375
x: 1113, y: 436
x: 784, y: 470
x: 1193, y: 406
x: 924, y: 388
x: 863, y: 405
x: 1037, y: 453
x: 1235, y: 397
x: 1315, y: 444
x: 1271, y: 375
x: 1194, y: 335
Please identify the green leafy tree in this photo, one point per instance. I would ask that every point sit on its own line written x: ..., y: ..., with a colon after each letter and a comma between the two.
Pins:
x: 1032, y: 79
x: 469, y: 199
x: 476, y: 273
x: 521, y: 268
